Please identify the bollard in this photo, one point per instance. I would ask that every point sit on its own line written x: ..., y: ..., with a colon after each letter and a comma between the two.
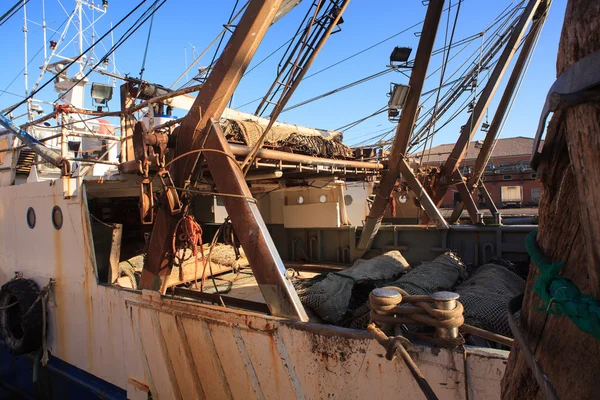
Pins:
x: 383, y: 293
x: 445, y: 301
x: 498, y: 218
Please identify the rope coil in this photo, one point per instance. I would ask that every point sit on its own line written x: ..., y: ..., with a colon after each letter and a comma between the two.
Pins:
x: 560, y: 296
x: 385, y: 309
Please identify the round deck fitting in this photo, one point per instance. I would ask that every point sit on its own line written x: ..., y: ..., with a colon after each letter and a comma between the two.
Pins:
x: 385, y: 293
x: 445, y: 296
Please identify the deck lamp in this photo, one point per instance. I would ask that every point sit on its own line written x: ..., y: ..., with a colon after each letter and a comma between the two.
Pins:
x: 101, y: 94
x: 400, y: 54
x: 398, y: 94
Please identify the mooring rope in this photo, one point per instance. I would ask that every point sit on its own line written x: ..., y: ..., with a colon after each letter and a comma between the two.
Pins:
x: 560, y: 296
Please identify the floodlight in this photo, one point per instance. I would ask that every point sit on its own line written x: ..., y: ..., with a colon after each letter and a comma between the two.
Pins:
x: 102, y: 93
x: 400, y: 54
x: 398, y: 94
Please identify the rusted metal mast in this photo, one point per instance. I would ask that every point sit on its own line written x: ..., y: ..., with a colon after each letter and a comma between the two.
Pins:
x: 448, y: 174
x: 198, y: 131
x: 519, y: 69
x: 405, y: 125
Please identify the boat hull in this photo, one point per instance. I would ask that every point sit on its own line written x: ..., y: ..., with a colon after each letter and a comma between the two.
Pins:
x: 142, y: 342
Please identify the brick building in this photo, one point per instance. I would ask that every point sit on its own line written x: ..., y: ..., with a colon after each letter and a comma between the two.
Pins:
x: 508, y: 167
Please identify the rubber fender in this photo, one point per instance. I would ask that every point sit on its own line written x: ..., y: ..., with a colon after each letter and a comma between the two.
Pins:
x: 21, y: 328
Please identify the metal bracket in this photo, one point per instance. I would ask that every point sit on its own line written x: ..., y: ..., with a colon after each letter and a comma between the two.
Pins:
x: 578, y: 84
x: 175, y: 205
x: 146, y: 202
x: 467, y: 199
x: 430, y: 208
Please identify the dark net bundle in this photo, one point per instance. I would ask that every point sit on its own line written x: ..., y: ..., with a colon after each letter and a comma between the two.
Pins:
x: 486, y: 294
x: 249, y: 133
x: 331, y: 296
x: 443, y: 273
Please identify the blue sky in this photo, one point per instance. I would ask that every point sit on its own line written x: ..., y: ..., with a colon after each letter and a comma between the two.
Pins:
x: 181, y: 24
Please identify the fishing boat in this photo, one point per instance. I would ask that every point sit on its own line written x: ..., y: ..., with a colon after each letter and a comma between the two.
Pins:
x: 259, y: 264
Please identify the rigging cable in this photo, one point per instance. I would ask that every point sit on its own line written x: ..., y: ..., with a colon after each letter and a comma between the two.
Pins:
x: 369, y: 47
x: 12, y: 11
x: 78, y: 57
x: 442, y: 74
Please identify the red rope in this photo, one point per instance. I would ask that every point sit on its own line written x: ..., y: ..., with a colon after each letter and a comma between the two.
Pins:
x: 190, y: 237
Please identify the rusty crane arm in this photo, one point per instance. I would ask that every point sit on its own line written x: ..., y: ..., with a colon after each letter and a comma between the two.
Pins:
x: 198, y: 131
x: 474, y: 181
x: 448, y: 175
x: 405, y: 127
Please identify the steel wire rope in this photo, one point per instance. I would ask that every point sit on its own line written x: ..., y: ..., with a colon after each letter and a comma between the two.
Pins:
x: 29, y: 62
x: 12, y: 11
x: 450, y: 91
x: 81, y: 55
x: 362, y: 80
x: 221, y: 36
x: 443, y: 72
x: 504, y: 16
x: 137, y: 25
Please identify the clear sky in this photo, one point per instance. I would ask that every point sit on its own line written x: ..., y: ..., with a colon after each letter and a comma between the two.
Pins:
x: 181, y: 25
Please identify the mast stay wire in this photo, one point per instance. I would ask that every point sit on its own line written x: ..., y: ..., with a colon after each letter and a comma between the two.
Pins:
x: 220, y: 36
x: 31, y: 60
x: 352, y: 124
x: 12, y: 11
x: 78, y: 57
x: 124, y: 37
x: 489, y: 45
x: 466, y: 41
x: 443, y: 72
x: 506, y: 16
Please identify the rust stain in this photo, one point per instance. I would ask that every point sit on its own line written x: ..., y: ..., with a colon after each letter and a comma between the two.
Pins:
x: 275, y: 359
x: 87, y: 283
x: 60, y: 289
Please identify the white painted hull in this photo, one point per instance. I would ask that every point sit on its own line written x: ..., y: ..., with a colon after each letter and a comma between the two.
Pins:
x: 183, y: 349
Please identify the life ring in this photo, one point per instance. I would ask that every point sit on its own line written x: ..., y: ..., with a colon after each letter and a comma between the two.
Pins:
x: 21, y: 321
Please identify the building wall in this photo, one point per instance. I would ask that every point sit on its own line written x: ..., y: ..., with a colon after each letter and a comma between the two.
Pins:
x: 495, y: 181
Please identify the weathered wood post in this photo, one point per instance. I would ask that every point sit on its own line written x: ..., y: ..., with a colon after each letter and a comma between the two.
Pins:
x: 569, y: 231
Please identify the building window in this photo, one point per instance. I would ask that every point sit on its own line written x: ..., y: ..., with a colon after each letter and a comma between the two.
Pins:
x: 536, y: 193
x: 533, y: 176
x: 507, y: 177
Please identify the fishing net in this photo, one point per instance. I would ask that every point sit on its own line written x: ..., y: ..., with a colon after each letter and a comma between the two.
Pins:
x: 432, y: 276
x: 249, y: 132
x: 222, y: 254
x: 329, y: 295
x: 486, y: 294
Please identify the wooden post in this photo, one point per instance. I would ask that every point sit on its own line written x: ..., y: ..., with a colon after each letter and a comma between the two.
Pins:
x: 569, y: 231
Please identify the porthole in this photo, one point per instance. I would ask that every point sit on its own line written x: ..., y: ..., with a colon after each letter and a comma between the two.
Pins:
x: 347, y: 199
x: 31, y: 217
x: 322, y: 198
x: 57, y: 217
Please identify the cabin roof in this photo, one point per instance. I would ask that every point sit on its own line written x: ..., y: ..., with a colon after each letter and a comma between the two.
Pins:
x: 505, y: 147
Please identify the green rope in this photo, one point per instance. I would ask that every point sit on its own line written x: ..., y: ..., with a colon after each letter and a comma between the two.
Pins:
x: 559, y: 295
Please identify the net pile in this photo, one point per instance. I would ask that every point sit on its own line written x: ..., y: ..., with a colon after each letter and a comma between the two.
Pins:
x: 222, y: 254
x: 486, y: 294
x: 330, y: 295
x: 249, y: 132
x: 442, y: 273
